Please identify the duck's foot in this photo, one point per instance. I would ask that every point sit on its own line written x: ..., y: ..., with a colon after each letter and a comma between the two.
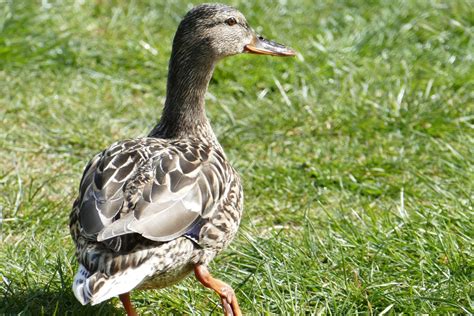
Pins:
x: 127, y: 304
x: 228, y: 298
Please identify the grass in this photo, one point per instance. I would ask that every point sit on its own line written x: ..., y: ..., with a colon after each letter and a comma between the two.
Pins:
x: 357, y: 156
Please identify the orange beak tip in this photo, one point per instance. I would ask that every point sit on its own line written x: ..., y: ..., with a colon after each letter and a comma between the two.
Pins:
x: 282, y: 52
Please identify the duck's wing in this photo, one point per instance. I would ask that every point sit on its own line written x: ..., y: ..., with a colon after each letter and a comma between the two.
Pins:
x: 155, y: 188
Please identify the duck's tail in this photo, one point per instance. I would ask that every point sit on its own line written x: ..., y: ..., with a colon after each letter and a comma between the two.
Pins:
x: 98, y: 287
x: 80, y: 280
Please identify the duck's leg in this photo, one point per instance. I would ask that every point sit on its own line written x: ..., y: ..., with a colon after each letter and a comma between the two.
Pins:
x: 228, y: 298
x: 127, y: 304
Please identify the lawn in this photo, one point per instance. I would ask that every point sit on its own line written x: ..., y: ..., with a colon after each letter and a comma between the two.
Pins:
x: 357, y: 156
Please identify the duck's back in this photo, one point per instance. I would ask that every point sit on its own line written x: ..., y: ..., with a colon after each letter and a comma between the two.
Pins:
x: 154, y: 207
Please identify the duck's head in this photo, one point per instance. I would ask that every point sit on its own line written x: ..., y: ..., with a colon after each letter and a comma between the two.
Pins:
x: 217, y: 31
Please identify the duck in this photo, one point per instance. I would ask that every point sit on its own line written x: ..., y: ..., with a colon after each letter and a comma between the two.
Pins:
x: 152, y: 210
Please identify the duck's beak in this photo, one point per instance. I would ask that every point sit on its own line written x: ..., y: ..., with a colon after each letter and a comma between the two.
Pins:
x: 262, y: 46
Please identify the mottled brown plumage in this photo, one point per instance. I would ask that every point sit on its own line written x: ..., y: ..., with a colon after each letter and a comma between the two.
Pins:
x: 151, y: 210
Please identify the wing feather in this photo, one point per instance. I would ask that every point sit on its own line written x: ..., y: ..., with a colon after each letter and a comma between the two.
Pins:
x: 153, y: 187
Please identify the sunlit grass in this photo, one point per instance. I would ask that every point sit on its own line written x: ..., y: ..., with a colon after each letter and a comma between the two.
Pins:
x: 356, y: 156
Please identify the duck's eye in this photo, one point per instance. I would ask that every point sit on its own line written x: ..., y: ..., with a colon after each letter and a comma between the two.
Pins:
x: 231, y: 21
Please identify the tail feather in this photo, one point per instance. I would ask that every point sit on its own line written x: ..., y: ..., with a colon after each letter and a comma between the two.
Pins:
x: 98, y: 287
x: 79, y: 283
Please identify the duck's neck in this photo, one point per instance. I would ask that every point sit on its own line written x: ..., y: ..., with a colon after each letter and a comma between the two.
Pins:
x: 184, y: 113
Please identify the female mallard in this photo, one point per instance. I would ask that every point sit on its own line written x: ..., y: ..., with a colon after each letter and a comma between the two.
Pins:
x: 153, y: 209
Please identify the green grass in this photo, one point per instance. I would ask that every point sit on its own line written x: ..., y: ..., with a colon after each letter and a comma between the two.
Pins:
x: 357, y: 156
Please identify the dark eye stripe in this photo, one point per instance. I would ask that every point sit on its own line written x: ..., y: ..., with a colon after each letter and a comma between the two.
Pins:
x: 209, y: 25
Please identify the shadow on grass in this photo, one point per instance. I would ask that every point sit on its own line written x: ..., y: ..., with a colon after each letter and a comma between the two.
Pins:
x: 47, y: 302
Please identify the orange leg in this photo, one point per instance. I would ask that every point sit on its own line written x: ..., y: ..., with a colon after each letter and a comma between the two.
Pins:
x: 228, y: 298
x: 127, y: 304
